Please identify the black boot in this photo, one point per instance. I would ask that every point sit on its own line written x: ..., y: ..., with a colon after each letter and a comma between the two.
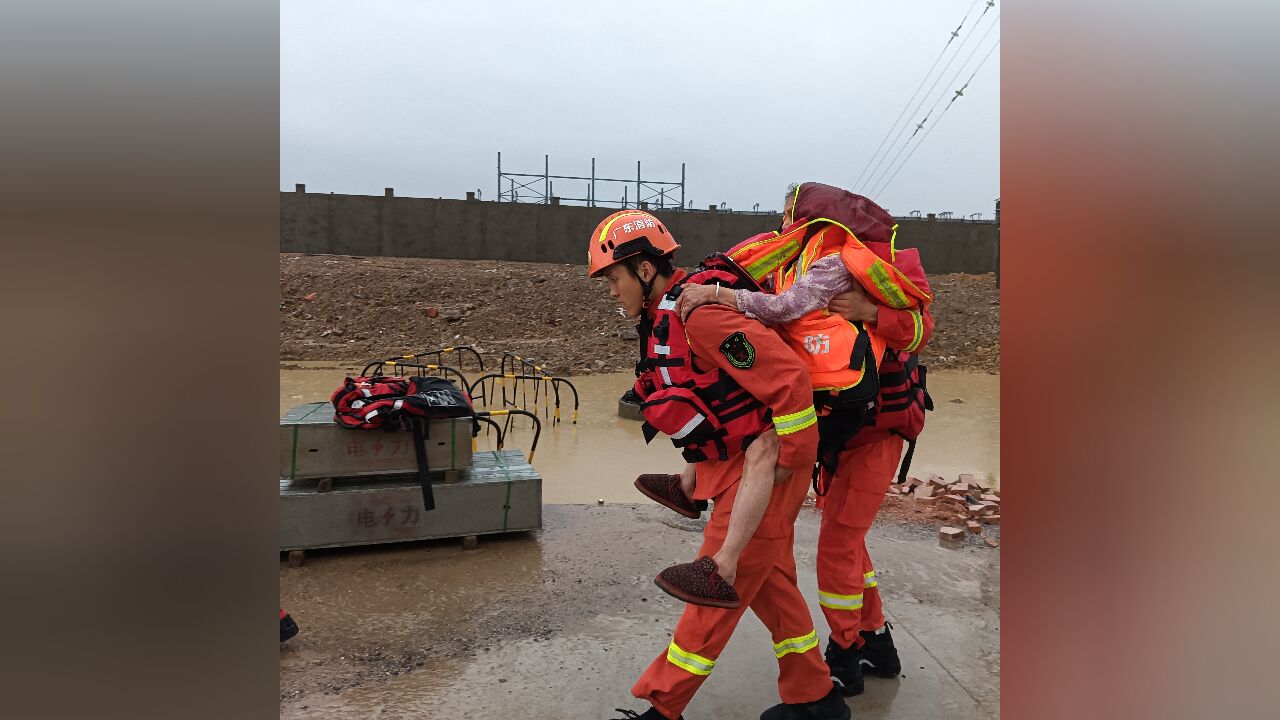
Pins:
x: 879, y: 654
x: 288, y: 628
x: 650, y: 714
x: 831, y: 707
x: 846, y: 668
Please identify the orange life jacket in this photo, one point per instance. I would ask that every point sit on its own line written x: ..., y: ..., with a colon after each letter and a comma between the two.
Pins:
x: 843, y: 358
x: 829, y: 344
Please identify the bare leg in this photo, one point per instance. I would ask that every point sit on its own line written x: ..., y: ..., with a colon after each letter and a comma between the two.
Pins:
x: 687, y: 480
x: 758, y: 475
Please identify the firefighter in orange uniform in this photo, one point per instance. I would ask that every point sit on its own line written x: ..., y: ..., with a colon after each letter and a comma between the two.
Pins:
x: 811, y: 266
x: 848, y: 590
x: 746, y: 363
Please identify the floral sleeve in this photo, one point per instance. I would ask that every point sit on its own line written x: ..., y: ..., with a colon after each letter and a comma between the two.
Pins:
x: 825, y: 280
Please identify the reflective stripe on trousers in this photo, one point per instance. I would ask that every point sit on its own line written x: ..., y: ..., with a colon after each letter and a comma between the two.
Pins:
x: 804, y: 643
x: 691, y: 662
x: 839, y: 602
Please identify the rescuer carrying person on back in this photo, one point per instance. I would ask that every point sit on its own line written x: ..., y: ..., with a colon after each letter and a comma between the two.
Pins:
x: 836, y: 248
x: 715, y: 382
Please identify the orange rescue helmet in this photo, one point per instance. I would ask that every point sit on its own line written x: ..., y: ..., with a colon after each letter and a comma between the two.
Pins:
x: 624, y: 234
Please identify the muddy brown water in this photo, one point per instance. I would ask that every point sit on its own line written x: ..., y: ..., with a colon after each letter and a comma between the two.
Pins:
x: 532, y: 624
x: 599, y: 457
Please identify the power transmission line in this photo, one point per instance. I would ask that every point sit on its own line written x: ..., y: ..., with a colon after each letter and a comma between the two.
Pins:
x: 876, y: 178
x: 954, y: 34
x: 875, y: 172
x: 958, y: 94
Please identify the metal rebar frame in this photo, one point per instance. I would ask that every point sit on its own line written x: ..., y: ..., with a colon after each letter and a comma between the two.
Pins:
x: 637, y: 193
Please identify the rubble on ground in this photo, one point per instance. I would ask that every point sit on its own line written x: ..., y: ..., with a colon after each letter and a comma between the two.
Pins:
x: 968, y: 504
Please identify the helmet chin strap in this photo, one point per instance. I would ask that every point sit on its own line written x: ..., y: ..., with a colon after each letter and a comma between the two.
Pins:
x: 646, y: 287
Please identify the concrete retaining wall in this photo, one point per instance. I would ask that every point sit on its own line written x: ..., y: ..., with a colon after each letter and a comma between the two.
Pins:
x: 325, y: 223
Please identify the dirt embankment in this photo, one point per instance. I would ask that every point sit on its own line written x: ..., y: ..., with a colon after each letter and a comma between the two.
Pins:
x: 372, y: 307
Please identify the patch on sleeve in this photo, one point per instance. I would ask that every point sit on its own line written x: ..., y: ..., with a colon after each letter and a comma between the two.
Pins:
x: 738, y: 350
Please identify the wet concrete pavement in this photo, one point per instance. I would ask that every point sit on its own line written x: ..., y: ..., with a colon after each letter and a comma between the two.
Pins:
x: 559, y: 623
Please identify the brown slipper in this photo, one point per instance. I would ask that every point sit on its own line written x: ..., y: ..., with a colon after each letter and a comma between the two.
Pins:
x: 665, y: 490
x: 698, y: 583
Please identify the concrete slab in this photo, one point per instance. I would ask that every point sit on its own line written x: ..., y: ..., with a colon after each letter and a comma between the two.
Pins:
x: 559, y: 623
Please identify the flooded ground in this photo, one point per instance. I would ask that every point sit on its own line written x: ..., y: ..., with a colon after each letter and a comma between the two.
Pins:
x: 597, y: 458
x: 560, y: 622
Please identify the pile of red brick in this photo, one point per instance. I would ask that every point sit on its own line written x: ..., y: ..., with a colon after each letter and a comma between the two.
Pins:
x: 970, y: 500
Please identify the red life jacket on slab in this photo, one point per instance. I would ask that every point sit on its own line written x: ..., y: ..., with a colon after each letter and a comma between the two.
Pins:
x: 382, y: 402
x: 390, y: 403
x: 706, y: 414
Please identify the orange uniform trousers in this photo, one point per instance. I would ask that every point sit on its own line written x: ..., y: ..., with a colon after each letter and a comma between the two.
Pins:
x: 848, y: 590
x: 766, y: 583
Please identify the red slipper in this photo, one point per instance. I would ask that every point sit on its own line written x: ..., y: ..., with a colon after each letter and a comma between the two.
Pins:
x: 665, y: 490
x: 698, y: 583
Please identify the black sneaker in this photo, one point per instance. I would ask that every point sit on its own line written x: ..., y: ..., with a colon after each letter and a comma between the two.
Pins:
x: 878, y: 653
x: 831, y: 707
x: 846, y: 668
x: 650, y: 714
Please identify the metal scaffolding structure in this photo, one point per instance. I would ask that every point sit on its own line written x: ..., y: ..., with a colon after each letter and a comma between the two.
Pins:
x: 637, y: 193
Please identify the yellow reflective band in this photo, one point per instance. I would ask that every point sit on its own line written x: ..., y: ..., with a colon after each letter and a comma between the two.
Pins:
x: 801, y: 644
x: 768, y: 263
x: 839, y: 602
x: 926, y: 297
x: 695, y: 664
x: 810, y: 250
x: 736, y: 255
x: 795, y: 422
x: 869, y: 580
x: 887, y: 287
x: 918, y: 335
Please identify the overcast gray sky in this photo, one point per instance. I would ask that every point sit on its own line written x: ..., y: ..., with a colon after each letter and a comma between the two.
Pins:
x: 422, y: 95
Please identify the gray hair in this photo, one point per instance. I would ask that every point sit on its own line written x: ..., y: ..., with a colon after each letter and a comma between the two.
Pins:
x: 791, y: 194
